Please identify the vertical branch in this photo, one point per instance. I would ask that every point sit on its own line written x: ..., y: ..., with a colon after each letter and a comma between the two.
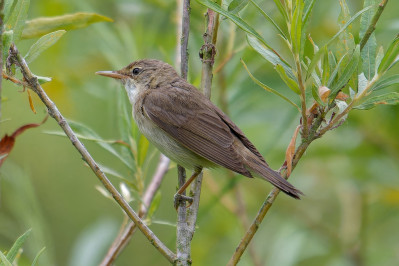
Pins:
x: 128, y: 230
x: 1, y: 49
x: 183, y: 248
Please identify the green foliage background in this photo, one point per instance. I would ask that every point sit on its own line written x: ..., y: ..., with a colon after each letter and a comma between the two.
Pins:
x: 349, y: 215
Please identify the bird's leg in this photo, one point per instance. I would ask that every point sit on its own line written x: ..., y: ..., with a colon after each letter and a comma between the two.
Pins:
x: 179, y: 194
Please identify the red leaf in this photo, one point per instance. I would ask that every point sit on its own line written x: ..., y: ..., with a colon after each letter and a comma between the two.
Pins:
x: 7, y: 142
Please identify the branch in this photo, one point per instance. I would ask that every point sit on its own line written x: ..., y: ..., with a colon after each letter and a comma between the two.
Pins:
x: 128, y: 230
x: 1, y: 47
x: 33, y: 84
x: 374, y: 21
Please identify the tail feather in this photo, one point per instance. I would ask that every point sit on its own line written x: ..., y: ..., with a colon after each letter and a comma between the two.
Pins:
x: 261, y: 169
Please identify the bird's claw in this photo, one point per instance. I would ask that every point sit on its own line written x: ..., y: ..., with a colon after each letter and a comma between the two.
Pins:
x: 178, y: 198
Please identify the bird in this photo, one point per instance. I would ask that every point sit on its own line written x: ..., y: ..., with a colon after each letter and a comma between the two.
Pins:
x: 187, y: 127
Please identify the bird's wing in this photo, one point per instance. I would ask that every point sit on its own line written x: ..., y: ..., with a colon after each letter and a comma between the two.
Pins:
x: 196, y: 125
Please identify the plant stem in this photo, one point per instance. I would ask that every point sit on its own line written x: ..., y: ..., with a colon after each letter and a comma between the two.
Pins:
x: 128, y: 230
x: 53, y: 112
x: 373, y: 23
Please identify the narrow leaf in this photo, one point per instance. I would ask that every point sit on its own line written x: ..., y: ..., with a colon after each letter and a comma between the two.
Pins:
x: 386, y: 82
x: 391, y: 98
x: 347, y: 73
x: 16, y: 21
x: 142, y: 149
x: 268, y: 18
x: 8, y: 37
x: 307, y: 10
x: 37, y: 256
x: 281, y: 8
x: 4, y: 260
x: 362, y: 83
x: 7, y: 9
x: 368, y: 52
x: 290, y: 82
x: 267, y: 88
x: 234, y: 18
x: 11, y: 255
x: 41, y: 26
x: 296, y: 27
x: 349, y: 22
x: 237, y: 5
x: 290, y: 151
x: 316, y: 96
x: 42, y: 44
x: 266, y: 53
x: 154, y: 204
x: 390, y: 56
x: 378, y: 59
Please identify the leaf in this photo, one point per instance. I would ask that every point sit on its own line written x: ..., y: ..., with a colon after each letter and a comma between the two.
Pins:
x: 7, y: 142
x: 41, y: 26
x: 8, y: 37
x: 290, y: 151
x: 237, y: 5
x: 12, y: 253
x: 369, y: 50
x: 290, y: 82
x: 386, y: 82
x: 37, y: 256
x: 281, y: 8
x: 32, y: 107
x: 307, y: 10
x: 234, y: 18
x: 4, y: 260
x: 391, y: 98
x: 42, y: 44
x: 362, y: 83
x: 347, y: 41
x: 89, y: 134
x: 390, y: 56
x: 266, y: 53
x: 142, y: 149
x: 16, y: 21
x: 378, y: 59
x: 267, y: 88
x: 267, y: 17
x: 154, y: 204
x: 347, y: 73
x: 296, y: 27
x: 7, y: 8
x: 43, y: 80
x: 340, y: 107
x: 347, y: 24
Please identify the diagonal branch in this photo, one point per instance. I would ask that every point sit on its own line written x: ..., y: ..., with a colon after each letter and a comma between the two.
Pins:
x: 33, y: 83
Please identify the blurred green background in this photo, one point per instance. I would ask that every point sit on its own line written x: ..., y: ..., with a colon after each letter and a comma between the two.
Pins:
x: 349, y: 216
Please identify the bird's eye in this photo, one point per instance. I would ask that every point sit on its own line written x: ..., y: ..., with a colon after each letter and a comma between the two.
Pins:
x: 136, y: 71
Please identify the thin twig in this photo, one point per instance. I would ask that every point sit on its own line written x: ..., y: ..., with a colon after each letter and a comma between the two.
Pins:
x: 183, y: 247
x: 1, y: 48
x: 53, y: 112
x: 373, y: 23
x: 128, y: 230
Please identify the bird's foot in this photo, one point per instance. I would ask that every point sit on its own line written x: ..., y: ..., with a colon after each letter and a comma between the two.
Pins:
x: 179, y: 198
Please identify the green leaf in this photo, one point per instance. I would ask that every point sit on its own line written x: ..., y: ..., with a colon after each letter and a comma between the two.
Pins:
x: 378, y: 59
x: 41, y: 26
x: 237, y: 5
x: 347, y: 73
x: 296, y: 27
x: 281, y: 8
x: 37, y: 256
x: 142, y: 149
x: 290, y: 82
x: 334, y: 74
x: 267, y: 17
x: 386, y: 82
x: 267, y: 88
x: 307, y: 10
x: 362, y: 83
x: 8, y: 37
x: 368, y: 52
x: 7, y: 8
x: 315, y: 60
x: 391, y: 98
x: 43, y: 80
x: 154, y: 204
x: 316, y: 96
x: 347, y: 24
x: 326, y: 68
x: 234, y: 18
x: 12, y: 254
x: 42, y: 44
x: 4, y: 260
x: 86, y: 133
x: 266, y: 53
x: 390, y: 56
x: 16, y: 21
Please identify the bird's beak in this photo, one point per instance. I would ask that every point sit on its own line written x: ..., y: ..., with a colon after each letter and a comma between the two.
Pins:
x: 111, y: 74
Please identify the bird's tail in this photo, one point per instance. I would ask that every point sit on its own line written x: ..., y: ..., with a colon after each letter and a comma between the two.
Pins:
x: 261, y: 169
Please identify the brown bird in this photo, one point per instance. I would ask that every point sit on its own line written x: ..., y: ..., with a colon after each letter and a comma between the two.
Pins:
x: 187, y: 127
